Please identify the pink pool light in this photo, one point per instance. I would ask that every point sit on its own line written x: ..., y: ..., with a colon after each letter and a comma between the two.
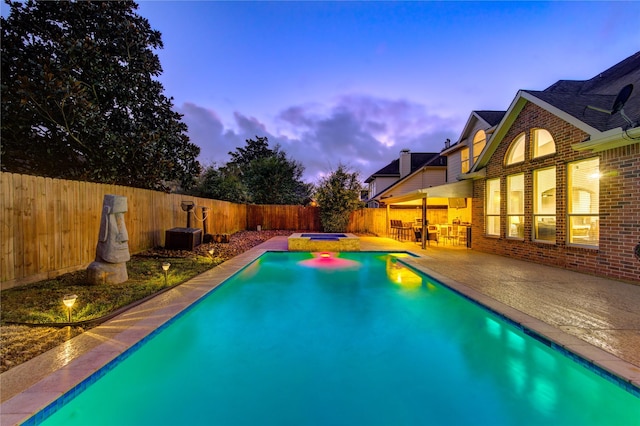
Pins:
x: 327, y: 260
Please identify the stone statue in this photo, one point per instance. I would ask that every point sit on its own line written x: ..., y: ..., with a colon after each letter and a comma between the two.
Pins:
x: 112, y: 251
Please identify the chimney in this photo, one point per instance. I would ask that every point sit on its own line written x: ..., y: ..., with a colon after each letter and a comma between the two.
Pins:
x: 405, y: 163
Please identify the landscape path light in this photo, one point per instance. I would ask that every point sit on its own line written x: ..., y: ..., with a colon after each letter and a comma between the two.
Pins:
x: 68, y: 301
x: 165, y: 268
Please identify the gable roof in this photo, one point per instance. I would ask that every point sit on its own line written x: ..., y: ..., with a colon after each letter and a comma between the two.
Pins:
x: 433, y: 160
x: 489, y: 120
x: 418, y: 159
x: 571, y: 101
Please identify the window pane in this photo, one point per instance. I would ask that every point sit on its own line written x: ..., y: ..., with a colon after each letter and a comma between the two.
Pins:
x: 515, y: 206
x: 543, y: 143
x: 515, y: 154
x: 584, y: 202
x: 584, y: 230
x: 479, y: 142
x: 544, y: 182
x: 544, y: 204
x: 545, y: 228
x: 492, y: 203
x: 515, y: 194
x: 493, y: 225
x: 464, y: 159
x: 584, y: 184
x: 516, y: 226
x: 493, y: 196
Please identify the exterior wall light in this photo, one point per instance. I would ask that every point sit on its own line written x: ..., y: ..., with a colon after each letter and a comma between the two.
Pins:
x: 68, y: 301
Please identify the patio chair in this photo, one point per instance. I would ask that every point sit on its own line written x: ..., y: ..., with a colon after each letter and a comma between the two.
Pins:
x: 432, y: 234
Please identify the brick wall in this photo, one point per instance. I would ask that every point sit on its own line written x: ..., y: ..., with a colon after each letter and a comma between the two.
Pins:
x: 619, y: 201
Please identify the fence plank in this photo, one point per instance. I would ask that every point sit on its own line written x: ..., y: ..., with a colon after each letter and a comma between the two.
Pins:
x: 7, y: 228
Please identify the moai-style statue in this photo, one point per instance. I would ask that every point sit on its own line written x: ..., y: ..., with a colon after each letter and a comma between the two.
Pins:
x: 112, y: 251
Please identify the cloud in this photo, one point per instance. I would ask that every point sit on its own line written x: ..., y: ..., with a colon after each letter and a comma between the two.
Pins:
x: 363, y: 132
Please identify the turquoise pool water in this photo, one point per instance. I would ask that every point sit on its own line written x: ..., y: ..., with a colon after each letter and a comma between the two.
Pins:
x: 359, y: 339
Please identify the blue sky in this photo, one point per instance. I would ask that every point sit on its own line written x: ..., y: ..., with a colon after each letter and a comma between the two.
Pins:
x: 356, y: 82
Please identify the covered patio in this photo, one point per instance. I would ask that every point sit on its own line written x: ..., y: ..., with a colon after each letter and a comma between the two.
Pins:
x: 455, y: 197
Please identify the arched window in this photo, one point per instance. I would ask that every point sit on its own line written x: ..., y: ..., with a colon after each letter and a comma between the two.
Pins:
x: 479, y: 141
x: 543, y: 143
x: 515, y: 154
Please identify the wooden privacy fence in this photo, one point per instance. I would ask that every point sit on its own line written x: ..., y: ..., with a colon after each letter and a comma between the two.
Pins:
x: 50, y: 226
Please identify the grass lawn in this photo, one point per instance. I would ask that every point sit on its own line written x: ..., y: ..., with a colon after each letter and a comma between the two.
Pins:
x: 40, y: 304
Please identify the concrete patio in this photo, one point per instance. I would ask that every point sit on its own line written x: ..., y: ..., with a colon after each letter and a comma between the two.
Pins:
x: 596, y: 318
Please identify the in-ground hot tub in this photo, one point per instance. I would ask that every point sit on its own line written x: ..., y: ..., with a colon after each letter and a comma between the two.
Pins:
x: 324, y: 242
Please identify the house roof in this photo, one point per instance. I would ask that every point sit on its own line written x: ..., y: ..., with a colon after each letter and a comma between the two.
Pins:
x: 492, y: 118
x: 573, y: 101
x: 575, y: 97
x: 418, y: 160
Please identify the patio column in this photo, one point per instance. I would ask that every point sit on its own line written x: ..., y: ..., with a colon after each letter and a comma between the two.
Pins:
x: 424, y: 222
x: 388, y: 210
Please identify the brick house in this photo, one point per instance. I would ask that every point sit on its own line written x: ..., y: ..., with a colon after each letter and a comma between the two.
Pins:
x: 559, y: 180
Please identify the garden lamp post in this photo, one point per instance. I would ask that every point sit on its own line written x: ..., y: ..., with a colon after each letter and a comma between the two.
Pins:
x: 165, y: 268
x: 68, y: 301
x: 211, y: 253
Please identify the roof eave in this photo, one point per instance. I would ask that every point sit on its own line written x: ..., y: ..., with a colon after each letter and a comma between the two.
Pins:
x: 614, y: 138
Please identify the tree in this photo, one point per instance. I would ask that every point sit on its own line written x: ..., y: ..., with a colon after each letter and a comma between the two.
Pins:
x: 221, y: 183
x: 80, y: 99
x: 257, y: 174
x: 338, y: 194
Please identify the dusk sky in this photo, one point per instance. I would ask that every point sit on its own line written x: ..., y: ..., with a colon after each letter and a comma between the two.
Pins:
x: 356, y: 82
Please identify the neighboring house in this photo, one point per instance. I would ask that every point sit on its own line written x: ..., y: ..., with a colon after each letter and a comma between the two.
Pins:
x: 411, y: 171
x: 559, y: 180
x: 464, y: 153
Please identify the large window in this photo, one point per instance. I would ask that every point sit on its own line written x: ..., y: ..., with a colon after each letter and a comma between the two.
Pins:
x: 584, y: 202
x: 479, y: 141
x: 543, y: 143
x: 544, y: 205
x: 515, y: 154
x: 464, y: 159
x: 515, y: 206
x: 492, y: 209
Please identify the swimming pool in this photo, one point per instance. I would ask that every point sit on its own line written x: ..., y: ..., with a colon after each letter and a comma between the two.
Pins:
x: 358, y: 338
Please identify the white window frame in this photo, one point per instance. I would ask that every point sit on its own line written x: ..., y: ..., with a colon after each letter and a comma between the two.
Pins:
x: 479, y: 142
x: 583, y: 227
x: 518, y: 144
x: 492, y: 203
x: 542, y: 218
x: 464, y: 160
x: 515, y: 207
x: 542, y: 135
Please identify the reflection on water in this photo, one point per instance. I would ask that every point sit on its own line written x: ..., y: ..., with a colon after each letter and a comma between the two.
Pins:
x: 400, y: 274
x: 328, y: 260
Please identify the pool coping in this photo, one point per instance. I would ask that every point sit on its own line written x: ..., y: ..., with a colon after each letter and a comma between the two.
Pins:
x: 32, y: 386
